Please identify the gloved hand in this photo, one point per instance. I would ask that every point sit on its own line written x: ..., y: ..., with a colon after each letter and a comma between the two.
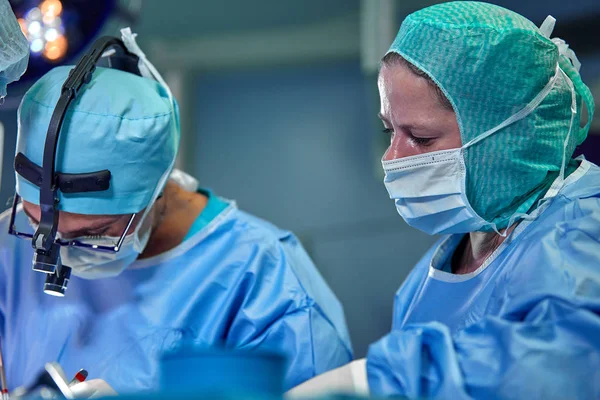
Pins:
x: 349, y: 379
x: 91, y: 389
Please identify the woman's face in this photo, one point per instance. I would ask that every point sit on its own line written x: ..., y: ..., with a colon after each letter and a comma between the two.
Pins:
x: 413, y: 115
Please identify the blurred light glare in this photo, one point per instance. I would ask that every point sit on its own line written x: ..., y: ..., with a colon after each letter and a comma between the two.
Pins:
x: 48, y: 19
x: 44, y: 30
x: 56, y: 22
x: 60, y: 30
x: 34, y: 28
x: 56, y: 49
x: 51, y: 35
x: 34, y: 14
x: 37, y: 45
x: 51, y: 8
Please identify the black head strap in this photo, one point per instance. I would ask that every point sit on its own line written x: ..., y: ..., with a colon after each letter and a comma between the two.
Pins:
x: 67, y: 183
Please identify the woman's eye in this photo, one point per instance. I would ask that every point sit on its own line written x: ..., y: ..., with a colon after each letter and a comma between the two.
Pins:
x: 421, y: 141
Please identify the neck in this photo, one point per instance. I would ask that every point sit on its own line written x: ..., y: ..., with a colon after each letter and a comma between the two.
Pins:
x: 483, y: 244
x: 475, y: 249
x: 173, y: 216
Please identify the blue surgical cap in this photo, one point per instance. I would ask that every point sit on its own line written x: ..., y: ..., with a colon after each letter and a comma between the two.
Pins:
x: 119, y: 121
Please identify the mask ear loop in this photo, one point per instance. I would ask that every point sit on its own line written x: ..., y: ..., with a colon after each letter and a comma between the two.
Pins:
x: 522, y: 113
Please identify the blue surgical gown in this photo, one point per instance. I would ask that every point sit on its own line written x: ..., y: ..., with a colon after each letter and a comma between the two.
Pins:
x: 525, y: 325
x: 237, y: 281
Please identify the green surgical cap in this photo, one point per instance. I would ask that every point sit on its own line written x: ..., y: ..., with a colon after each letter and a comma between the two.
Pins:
x: 490, y: 63
x: 119, y: 121
x: 14, y: 48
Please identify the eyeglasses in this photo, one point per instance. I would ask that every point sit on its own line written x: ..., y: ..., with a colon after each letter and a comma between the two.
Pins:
x: 12, y: 230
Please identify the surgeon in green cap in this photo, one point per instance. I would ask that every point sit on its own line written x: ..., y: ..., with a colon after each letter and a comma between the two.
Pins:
x: 484, y: 112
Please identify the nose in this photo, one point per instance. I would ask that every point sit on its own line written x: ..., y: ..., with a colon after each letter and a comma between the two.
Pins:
x: 399, y: 147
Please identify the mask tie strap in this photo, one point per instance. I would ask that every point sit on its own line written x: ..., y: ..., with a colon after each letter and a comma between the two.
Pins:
x: 525, y: 111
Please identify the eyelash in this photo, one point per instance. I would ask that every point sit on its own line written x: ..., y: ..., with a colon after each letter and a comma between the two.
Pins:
x: 94, y: 237
x: 418, y: 140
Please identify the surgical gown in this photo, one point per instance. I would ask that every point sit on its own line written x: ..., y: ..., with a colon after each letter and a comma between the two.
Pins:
x: 238, y: 282
x: 525, y: 325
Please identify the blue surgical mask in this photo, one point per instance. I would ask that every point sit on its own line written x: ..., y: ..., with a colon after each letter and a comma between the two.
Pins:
x: 429, y: 192
x: 91, y: 264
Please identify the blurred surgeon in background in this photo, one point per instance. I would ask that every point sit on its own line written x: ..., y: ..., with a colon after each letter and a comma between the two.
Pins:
x: 14, y: 48
x: 484, y: 111
x: 193, y: 270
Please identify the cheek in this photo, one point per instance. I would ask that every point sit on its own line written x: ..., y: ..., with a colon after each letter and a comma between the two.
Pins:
x: 117, y: 229
x: 32, y: 209
x: 454, y: 141
x: 136, y: 221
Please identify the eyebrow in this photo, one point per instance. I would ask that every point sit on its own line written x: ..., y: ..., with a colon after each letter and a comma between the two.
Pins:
x: 87, y: 231
x: 412, y: 127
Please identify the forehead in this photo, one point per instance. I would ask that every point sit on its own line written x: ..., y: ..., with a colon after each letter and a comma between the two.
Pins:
x: 404, y: 93
x: 71, y: 218
x: 398, y: 81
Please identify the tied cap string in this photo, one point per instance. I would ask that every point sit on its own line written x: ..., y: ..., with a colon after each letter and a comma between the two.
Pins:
x: 147, y: 69
x: 546, y: 29
x: 563, y: 48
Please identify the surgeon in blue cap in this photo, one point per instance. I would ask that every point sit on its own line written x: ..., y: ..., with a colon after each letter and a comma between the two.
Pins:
x: 193, y: 269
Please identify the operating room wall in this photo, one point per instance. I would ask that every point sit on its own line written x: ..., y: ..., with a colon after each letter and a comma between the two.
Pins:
x: 295, y: 145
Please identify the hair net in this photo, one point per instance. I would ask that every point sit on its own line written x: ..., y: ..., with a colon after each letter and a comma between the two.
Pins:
x: 119, y: 121
x: 14, y: 48
x: 491, y: 62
